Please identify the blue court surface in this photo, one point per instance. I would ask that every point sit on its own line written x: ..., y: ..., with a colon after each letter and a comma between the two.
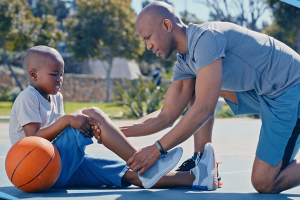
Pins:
x: 234, y: 141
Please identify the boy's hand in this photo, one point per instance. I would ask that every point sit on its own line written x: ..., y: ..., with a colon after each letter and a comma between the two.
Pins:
x: 97, y: 133
x: 83, y: 123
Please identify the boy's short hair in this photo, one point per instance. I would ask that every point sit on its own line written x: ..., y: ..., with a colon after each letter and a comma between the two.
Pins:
x: 35, y: 56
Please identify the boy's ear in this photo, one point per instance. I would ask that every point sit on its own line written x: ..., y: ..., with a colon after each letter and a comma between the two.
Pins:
x: 33, y: 75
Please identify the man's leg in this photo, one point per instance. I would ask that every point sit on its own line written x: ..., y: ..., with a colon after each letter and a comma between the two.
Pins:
x: 204, y: 135
x: 269, y: 179
x: 274, y: 167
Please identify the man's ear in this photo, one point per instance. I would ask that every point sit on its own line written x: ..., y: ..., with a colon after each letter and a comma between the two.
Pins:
x: 167, y: 24
x: 33, y: 75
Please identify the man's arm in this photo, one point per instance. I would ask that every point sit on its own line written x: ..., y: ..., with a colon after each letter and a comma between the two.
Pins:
x: 176, y: 99
x: 207, y: 90
x: 77, y: 120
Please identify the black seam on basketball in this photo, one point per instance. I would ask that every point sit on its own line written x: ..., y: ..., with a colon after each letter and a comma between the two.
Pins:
x: 40, y: 172
x: 12, y: 175
x: 57, y: 175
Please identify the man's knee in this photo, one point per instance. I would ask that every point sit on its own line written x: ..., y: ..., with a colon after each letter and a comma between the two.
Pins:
x: 264, y: 177
x: 262, y: 185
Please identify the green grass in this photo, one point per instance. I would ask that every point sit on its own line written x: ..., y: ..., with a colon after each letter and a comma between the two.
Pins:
x: 5, y: 108
x: 108, y: 108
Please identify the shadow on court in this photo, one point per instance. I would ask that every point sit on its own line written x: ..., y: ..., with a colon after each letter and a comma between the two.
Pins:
x: 136, y: 193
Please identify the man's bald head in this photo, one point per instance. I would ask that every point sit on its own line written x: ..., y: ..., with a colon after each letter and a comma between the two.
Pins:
x: 161, y: 29
x: 156, y: 12
x: 40, y: 56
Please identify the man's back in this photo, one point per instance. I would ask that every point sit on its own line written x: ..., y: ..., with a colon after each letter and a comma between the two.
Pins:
x: 250, y: 61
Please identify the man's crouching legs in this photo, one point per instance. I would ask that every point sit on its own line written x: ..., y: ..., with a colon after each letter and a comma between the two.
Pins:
x: 272, y: 180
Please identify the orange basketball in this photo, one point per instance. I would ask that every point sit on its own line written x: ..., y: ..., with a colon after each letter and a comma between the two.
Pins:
x: 33, y: 164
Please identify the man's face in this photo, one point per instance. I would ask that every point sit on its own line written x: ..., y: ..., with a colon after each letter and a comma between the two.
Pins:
x: 157, y: 38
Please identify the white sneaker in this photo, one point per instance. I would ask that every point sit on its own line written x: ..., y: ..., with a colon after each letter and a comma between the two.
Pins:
x: 205, y: 170
x: 161, y: 167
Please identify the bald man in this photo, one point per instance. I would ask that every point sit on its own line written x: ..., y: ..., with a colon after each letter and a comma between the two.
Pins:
x: 255, y: 73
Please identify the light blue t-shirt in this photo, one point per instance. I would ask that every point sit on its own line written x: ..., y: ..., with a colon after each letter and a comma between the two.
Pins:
x: 250, y: 60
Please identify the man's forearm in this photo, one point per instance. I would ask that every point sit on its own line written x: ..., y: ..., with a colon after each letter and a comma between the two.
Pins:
x: 193, y: 120
x: 148, y: 125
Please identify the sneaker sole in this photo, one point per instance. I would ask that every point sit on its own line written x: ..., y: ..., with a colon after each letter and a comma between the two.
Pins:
x: 155, y: 178
x: 215, y: 177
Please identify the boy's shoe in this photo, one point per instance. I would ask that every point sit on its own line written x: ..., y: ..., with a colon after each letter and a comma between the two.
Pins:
x: 161, y: 167
x: 190, y: 164
x: 206, y: 170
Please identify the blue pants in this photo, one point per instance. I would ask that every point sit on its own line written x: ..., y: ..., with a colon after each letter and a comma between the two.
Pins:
x: 78, y: 169
x: 280, y: 128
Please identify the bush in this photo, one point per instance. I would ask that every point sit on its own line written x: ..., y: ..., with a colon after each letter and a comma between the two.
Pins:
x: 9, y: 95
x: 141, y: 98
x: 226, y: 112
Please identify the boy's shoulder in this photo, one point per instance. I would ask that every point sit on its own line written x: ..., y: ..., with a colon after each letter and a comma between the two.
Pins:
x: 28, y: 93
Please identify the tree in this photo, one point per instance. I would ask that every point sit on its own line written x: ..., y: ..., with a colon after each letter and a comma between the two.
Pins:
x: 14, y: 24
x: 281, y: 34
x: 188, y: 17
x: 236, y: 11
x: 287, y: 23
x: 19, y: 29
x: 48, y: 7
x: 104, y: 29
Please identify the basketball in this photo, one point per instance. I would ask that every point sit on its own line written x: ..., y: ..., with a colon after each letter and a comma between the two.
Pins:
x: 33, y: 164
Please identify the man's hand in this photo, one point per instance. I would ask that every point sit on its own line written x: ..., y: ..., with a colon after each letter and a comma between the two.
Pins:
x: 83, y: 123
x: 125, y: 130
x: 144, y: 158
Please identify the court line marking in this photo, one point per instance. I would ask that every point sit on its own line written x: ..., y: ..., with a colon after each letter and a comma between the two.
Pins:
x: 235, y: 172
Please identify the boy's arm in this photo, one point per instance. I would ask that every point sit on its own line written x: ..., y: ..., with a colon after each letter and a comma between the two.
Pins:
x: 77, y: 120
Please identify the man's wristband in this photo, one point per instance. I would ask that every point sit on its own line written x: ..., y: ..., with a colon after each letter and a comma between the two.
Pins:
x: 160, y: 149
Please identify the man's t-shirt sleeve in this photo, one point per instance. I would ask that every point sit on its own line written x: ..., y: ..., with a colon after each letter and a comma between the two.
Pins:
x: 181, y: 70
x: 209, y: 47
x: 28, y: 109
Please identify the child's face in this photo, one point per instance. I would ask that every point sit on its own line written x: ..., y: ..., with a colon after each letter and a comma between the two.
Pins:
x: 49, y: 77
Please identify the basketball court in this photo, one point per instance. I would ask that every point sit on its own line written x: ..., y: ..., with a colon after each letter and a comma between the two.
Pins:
x: 234, y: 142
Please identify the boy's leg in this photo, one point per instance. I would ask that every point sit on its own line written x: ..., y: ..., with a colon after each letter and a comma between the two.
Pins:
x: 95, y: 172
x: 113, y: 139
x: 171, y: 179
x: 111, y: 136
x: 71, y: 146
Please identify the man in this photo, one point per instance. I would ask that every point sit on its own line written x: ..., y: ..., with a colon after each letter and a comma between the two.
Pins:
x: 253, y: 72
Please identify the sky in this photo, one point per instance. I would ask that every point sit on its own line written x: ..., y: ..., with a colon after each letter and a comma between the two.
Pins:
x: 200, y: 10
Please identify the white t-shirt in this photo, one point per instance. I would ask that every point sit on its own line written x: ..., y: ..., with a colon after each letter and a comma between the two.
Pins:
x: 30, y: 106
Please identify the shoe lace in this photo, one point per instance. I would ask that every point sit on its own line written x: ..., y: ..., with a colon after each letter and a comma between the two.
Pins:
x: 188, y: 162
x: 198, y: 157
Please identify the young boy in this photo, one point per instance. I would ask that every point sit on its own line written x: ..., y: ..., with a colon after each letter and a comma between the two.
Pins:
x: 38, y: 111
